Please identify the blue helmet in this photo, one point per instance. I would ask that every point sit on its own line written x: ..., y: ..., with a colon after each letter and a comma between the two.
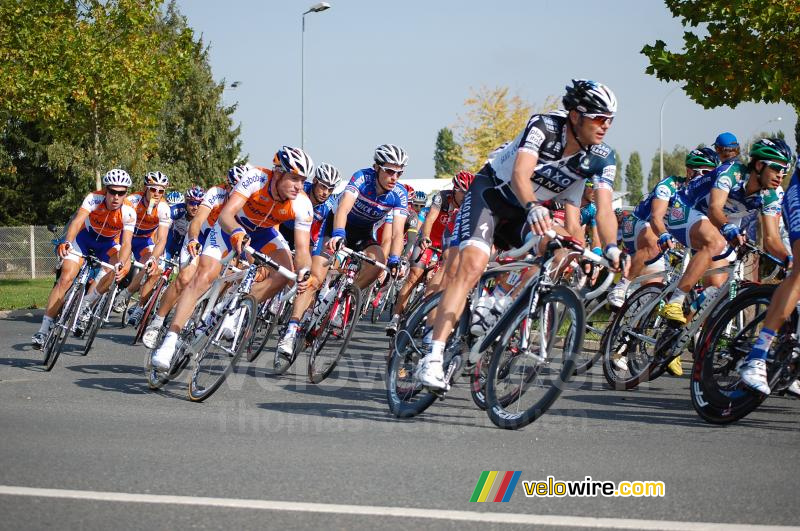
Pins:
x: 174, y: 198
x: 195, y: 193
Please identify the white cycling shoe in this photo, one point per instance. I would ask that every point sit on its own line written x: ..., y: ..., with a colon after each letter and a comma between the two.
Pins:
x: 754, y: 375
x: 286, y: 344
x: 794, y: 389
x: 616, y: 296
x: 431, y: 373
x: 162, y: 358
x: 150, y: 336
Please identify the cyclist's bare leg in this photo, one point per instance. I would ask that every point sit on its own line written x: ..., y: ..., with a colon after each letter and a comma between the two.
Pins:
x: 471, y: 266
x: 175, y: 289
x: 786, y: 296
x: 369, y: 272
x: 646, y: 249
x: 208, y: 270
x: 448, y: 275
x: 319, y: 268
x: 437, y: 283
x: 69, y: 270
x: 706, y: 238
x: 274, y: 282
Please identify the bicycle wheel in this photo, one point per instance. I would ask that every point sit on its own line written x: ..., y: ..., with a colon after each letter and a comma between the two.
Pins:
x: 281, y: 364
x: 718, y: 394
x: 477, y: 380
x: 406, y: 396
x: 331, y: 343
x: 98, y: 314
x: 157, y: 379
x: 633, y: 333
x: 535, y: 359
x: 62, y: 327
x: 373, y: 302
x: 216, y: 359
x: 598, y: 320
x: 150, y: 309
x: 266, y: 321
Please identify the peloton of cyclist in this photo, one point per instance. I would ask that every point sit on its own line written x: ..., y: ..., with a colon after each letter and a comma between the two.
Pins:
x: 103, y: 217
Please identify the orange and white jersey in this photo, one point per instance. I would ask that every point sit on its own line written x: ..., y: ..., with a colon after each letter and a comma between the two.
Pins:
x: 104, y: 222
x: 214, y: 199
x: 262, y: 210
x: 146, y: 224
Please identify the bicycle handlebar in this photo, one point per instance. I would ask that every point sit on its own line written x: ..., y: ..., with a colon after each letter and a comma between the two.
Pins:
x: 361, y: 256
x: 263, y: 259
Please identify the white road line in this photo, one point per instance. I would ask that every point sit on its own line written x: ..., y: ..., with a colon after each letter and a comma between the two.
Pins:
x: 369, y: 510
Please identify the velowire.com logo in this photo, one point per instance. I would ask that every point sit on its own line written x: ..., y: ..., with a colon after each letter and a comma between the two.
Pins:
x: 495, y: 486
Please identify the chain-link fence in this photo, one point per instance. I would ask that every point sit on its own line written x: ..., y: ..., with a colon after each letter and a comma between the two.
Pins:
x: 27, y: 252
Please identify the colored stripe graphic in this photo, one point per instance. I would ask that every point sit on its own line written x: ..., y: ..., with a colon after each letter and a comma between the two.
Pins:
x: 487, y: 486
x: 495, y: 486
x: 479, y: 486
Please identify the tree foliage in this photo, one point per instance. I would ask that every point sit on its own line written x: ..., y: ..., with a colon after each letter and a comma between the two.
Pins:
x: 735, y: 51
x: 633, y: 178
x: 674, y: 164
x: 448, y: 156
x: 98, y: 84
x: 493, y: 116
x: 619, y: 174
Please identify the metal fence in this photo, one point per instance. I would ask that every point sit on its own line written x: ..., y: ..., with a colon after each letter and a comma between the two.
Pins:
x: 27, y: 252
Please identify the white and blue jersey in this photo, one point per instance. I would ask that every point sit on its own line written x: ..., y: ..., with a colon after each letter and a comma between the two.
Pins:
x: 178, y: 229
x: 369, y: 207
x: 665, y: 190
x: 791, y: 206
x: 321, y: 213
x: 731, y: 177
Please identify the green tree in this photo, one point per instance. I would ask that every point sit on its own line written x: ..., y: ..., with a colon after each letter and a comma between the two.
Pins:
x: 674, y: 164
x: 744, y: 50
x: 493, y: 117
x: 618, y: 175
x: 448, y: 158
x: 633, y: 178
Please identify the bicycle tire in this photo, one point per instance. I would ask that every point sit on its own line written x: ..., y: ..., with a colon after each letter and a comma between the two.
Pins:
x: 201, y: 390
x: 718, y: 356
x: 320, y: 366
x: 406, y: 397
x: 633, y: 351
x: 149, y: 309
x: 499, y: 404
x: 375, y: 313
x: 281, y: 364
x: 266, y: 323
x: 97, y: 320
x: 58, y: 336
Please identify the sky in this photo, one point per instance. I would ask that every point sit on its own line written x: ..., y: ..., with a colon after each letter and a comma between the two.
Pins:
x: 396, y: 72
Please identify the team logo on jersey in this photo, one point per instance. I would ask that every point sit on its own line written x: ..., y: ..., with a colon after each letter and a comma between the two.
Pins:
x: 627, y: 226
x: 585, y: 163
x: 677, y: 213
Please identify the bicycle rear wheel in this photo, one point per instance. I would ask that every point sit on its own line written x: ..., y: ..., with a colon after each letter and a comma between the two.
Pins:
x: 266, y: 322
x: 330, y: 344
x: 217, y: 358
x: 535, y: 359
x: 61, y: 328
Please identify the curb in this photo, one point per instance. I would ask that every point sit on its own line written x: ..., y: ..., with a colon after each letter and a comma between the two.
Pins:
x: 11, y: 314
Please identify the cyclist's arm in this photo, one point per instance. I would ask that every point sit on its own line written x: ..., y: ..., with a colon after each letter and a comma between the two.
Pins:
x: 658, y: 209
x: 572, y: 218
x: 125, y: 248
x: 346, y: 203
x: 75, y: 226
x: 386, y: 238
x: 302, y: 249
x: 398, y: 227
x: 716, y: 207
x: 595, y: 236
x: 773, y: 243
x: 161, y: 241
x: 524, y: 166
x: 193, y: 232
x: 227, y: 218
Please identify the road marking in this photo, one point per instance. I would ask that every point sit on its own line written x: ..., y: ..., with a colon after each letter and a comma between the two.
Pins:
x: 369, y: 510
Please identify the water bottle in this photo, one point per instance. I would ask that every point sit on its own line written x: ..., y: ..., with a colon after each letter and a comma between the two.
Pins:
x: 706, y: 294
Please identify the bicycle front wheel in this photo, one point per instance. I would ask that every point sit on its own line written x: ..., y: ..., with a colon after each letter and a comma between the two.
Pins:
x: 535, y: 359
x: 331, y: 343
x: 219, y: 355
x: 97, y: 319
x: 61, y: 328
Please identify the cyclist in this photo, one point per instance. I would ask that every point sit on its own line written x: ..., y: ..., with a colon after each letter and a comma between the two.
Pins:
x: 649, y: 233
x: 723, y: 196
x: 320, y: 191
x: 207, y: 213
x: 262, y: 200
x: 727, y: 146
x: 369, y: 196
x: 104, y: 216
x: 754, y: 370
x: 153, y: 217
x: 182, y: 214
x: 443, y: 206
x: 550, y: 158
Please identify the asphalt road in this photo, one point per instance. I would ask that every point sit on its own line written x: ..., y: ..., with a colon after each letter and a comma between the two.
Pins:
x: 282, y: 453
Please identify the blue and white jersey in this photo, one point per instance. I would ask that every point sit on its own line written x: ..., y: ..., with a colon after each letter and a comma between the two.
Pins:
x: 321, y: 211
x: 665, y: 190
x: 179, y: 227
x: 370, y: 207
x: 732, y: 177
x: 555, y: 176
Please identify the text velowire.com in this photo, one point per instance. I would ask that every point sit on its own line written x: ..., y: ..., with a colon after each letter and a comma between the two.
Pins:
x: 590, y: 488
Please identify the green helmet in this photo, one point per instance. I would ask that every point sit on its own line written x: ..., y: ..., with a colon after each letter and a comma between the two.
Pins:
x: 771, y: 149
x: 700, y: 157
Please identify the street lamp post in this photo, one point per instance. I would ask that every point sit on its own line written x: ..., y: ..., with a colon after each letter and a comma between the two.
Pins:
x: 316, y: 8
x: 661, y: 135
x: 760, y: 127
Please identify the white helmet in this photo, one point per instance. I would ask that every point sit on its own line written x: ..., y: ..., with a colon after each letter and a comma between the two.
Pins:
x: 236, y: 173
x: 390, y: 154
x: 328, y: 175
x: 590, y: 97
x: 156, y: 178
x: 294, y: 160
x: 117, y: 177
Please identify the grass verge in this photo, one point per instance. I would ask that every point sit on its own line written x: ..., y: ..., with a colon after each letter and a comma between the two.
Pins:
x: 17, y: 294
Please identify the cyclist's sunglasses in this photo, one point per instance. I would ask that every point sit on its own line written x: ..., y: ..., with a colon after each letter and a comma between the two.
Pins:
x: 117, y: 192
x: 699, y: 172
x: 155, y: 190
x: 194, y: 203
x: 777, y: 166
x: 391, y: 172
x: 599, y: 119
